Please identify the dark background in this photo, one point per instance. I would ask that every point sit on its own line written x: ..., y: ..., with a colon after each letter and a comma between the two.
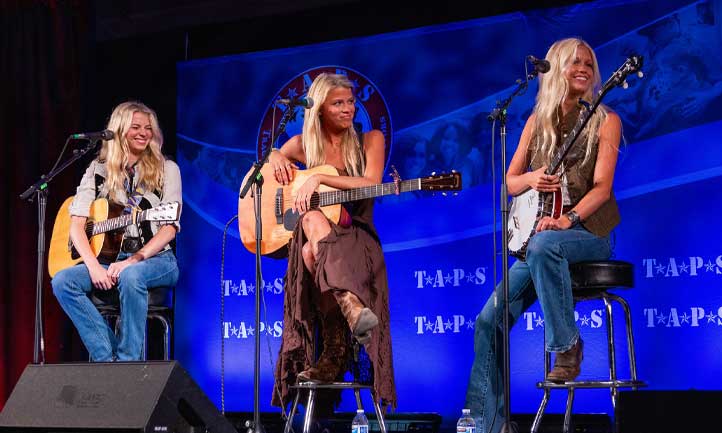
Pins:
x: 65, y: 64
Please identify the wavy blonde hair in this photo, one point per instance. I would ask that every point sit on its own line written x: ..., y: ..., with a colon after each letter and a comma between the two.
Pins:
x: 313, y: 140
x: 553, y: 89
x: 114, y: 153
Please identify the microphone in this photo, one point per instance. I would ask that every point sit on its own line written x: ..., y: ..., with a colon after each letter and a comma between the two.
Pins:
x: 540, y: 65
x: 292, y: 102
x: 100, y: 135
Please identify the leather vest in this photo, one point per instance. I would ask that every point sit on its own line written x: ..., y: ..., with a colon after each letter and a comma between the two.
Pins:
x: 580, y: 174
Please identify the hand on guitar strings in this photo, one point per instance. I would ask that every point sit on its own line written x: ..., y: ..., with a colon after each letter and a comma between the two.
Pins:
x: 302, y: 202
x: 542, y: 182
x: 282, y: 167
x: 550, y: 223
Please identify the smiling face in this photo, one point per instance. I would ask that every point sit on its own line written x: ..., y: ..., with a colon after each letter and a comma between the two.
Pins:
x: 338, y: 109
x: 579, y: 72
x: 139, y: 135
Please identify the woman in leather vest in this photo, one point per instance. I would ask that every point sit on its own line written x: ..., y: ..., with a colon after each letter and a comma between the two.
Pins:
x: 579, y: 234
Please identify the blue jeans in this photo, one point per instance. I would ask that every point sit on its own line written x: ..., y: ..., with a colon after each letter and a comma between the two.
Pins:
x: 72, y: 287
x: 544, y: 276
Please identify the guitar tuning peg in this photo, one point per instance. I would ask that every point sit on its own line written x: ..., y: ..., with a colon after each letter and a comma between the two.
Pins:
x: 455, y: 194
x: 433, y: 173
x: 625, y: 85
x: 640, y: 74
x: 444, y: 194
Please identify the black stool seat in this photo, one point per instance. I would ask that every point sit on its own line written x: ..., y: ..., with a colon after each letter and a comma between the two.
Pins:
x: 592, y: 280
x: 601, y: 275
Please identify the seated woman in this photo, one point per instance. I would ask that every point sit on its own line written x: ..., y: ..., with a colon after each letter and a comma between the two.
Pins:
x: 336, y: 275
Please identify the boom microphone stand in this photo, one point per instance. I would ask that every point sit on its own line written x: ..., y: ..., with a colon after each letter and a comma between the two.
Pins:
x: 499, y: 113
x: 255, y: 178
x: 40, y: 189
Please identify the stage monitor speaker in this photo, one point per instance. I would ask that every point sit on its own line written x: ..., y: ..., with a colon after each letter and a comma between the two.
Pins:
x: 157, y: 397
x: 669, y: 411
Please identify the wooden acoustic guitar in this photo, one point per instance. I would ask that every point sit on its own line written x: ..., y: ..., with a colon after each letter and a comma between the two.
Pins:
x: 104, y: 228
x: 278, y: 220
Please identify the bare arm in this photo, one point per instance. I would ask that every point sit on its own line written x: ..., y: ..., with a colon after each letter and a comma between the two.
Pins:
x: 282, y: 159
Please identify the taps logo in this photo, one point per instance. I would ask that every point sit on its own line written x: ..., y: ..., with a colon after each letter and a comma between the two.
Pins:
x: 372, y: 112
x: 692, y: 266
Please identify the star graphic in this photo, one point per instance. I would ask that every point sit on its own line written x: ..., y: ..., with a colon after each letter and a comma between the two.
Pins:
x: 660, y: 269
x: 469, y: 278
x: 448, y: 324
x: 685, y: 318
x: 662, y: 319
x: 250, y: 330
x: 269, y: 287
x: 683, y: 268
x: 234, y: 331
x: 292, y: 93
x: 251, y: 288
x: 447, y: 278
x: 539, y: 322
x: 428, y: 280
x: 269, y: 330
x: 469, y: 324
x: 709, y: 266
x: 585, y: 320
x: 711, y: 317
x: 429, y: 326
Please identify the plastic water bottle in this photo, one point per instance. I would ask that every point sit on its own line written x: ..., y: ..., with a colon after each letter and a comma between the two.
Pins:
x: 466, y: 423
x: 360, y: 423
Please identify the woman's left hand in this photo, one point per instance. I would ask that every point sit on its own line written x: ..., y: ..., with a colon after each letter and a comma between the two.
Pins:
x: 302, y: 202
x: 549, y: 223
x: 116, y: 268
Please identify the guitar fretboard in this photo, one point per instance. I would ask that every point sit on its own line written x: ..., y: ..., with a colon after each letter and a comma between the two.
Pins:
x: 114, y: 223
x: 334, y: 197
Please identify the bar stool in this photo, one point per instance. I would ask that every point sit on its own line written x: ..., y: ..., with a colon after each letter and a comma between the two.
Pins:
x: 593, y: 280
x: 312, y: 387
x: 160, y: 308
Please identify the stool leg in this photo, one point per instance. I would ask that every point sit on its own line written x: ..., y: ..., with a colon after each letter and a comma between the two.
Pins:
x: 630, y: 336
x: 166, y: 333
x: 540, y: 411
x: 568, y: 411
x: 289, y: 420
x: 308, y: 416
x: 610, y: 339
x: 357, y: 393
x: 379, y: 413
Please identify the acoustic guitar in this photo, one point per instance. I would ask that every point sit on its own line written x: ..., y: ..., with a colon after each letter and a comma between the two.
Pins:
x: 104, y: 228
x: 278, y: 220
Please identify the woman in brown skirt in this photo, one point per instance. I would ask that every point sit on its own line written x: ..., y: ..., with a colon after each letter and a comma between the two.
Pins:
x: 336, y: 278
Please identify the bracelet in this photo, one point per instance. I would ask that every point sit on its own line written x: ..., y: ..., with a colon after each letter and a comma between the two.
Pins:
x: 573, y: 217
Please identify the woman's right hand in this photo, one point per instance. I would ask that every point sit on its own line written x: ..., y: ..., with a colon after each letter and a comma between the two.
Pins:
x: 100, y: 278
x: 543, y: 182
x: 282, y: 167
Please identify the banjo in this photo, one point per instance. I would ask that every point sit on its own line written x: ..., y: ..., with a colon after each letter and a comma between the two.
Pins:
x: 531, y: 206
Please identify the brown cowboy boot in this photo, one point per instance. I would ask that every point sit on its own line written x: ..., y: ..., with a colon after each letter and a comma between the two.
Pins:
x: 361, y: 320
x: 335, y: 349
x: 568, y: 365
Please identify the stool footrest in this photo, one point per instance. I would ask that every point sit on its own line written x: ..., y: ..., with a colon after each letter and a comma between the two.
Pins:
x: 331, y: 385
x: 592, y: 384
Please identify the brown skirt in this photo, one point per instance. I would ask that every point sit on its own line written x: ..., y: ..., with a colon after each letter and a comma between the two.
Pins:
x: 349, y: 258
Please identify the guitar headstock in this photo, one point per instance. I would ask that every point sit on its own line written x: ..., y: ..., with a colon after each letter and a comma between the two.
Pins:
x: 164, y: 212
x: 619, y: 77
x: 441, y: 182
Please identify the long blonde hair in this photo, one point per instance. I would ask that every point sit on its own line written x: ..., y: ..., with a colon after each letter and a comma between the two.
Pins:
x: 553, y: 89
x: 312, y: 137
x: 115, y: 152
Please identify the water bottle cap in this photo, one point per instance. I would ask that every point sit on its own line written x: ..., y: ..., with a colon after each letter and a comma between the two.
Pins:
x: 359, y: 411
x: 466, y: 411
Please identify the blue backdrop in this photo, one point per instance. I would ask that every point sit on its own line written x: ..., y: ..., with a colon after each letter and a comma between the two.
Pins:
x: 429, y: 90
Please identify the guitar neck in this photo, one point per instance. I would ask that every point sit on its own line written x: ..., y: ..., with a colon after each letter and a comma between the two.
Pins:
x: 116, y: 223
x: 328, y: 198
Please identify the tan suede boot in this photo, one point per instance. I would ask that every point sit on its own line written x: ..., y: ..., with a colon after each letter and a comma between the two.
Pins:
x: 568, y: 365
x: 333, y: 360
x: 361, y: 320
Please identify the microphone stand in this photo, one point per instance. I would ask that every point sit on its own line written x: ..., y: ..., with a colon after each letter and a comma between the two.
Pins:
x: 40, y: 189
x: 256, y: 178
x: 499, y: 113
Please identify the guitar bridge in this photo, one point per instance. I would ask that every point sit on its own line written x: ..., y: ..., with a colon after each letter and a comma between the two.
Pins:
x: 278, y: 206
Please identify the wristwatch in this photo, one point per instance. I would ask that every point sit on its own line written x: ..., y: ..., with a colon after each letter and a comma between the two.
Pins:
x: 573, y: 217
